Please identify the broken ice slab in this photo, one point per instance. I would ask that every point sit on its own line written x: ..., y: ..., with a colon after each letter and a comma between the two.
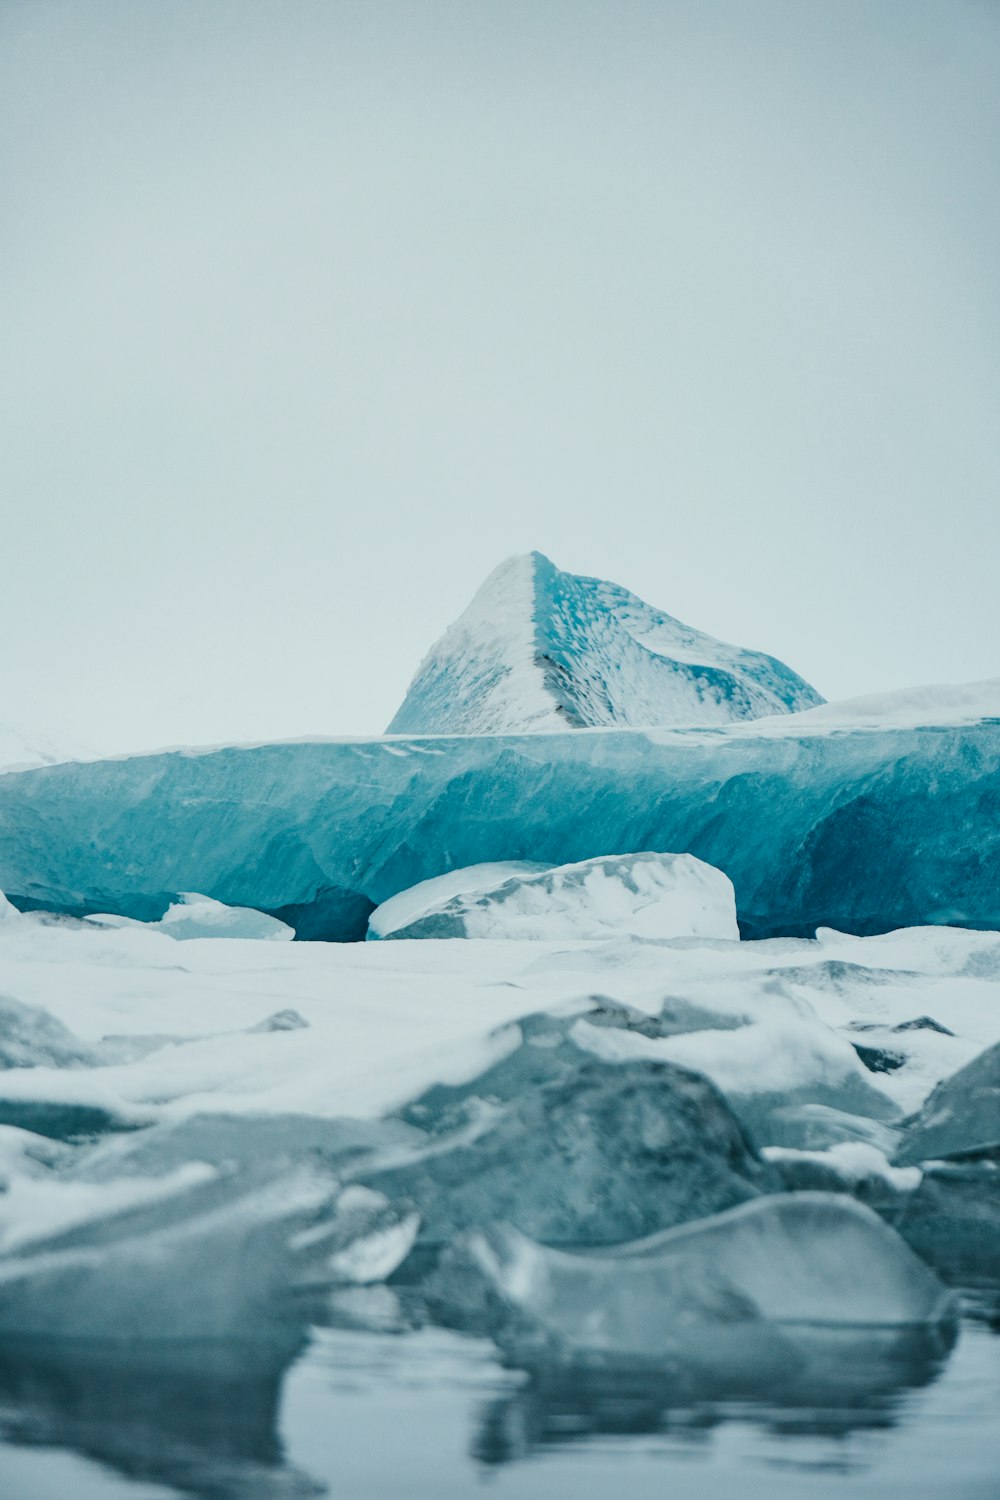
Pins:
x: 200, y: 1254
x: 815, y: 1259
x: 646, y: 895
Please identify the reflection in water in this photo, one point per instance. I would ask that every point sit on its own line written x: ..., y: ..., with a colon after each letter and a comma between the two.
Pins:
x: 200, y: 1417
x: 838, y: 1382
x: 203, y: 1419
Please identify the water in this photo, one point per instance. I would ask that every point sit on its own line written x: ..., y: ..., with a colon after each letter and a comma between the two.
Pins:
x: 362, y: 1414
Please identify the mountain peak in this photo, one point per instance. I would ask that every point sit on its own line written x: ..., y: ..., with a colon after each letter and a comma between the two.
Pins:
x: 540, y: 649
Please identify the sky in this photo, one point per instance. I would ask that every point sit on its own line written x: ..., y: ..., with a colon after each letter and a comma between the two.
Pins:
x: 311, y: 312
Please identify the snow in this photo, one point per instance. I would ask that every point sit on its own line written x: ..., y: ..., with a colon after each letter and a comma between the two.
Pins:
x: 539, y: 649
x: 387, y: 1020
x: 33, y: 1209
x: 647, y: 895
x: 484, y: 677
x: 9, y: 915
x: 899, y: 708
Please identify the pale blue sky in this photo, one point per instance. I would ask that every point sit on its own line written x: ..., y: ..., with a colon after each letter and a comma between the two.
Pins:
x: 313, y: 312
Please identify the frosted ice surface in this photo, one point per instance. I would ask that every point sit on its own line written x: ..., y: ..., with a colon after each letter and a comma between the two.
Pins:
x: 648, y: 895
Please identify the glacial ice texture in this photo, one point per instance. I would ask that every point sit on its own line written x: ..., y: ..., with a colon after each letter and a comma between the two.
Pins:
x: 863, y: 829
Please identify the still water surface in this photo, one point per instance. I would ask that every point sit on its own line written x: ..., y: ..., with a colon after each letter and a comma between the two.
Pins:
x: 430, y: 1415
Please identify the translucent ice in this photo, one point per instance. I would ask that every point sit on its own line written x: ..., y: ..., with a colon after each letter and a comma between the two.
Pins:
x: 648, y: 895
x: 799, y: 1258
x: 197, y: 1254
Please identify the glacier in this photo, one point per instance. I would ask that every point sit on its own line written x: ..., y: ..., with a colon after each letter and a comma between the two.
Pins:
x: 841, y: 817
x: 645, y: 895
x: 541, y: 649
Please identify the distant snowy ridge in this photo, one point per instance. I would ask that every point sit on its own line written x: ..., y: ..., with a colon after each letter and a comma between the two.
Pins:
x: 539, y: 649
x: 903, y: 708
x: 21, y: 749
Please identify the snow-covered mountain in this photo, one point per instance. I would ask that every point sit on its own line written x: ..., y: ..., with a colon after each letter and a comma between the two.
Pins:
x: 539, y: 649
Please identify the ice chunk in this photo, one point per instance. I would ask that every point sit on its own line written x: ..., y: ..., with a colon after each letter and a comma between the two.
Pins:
x: 542, y: 649
x: 647, y: 895
x: 242, y: 1141
x: 195, y: 916
x: 214, y: 1258
x: 35, y: 1209
x: 850, y: 828
x: 783, y: 1056
x: 30, y: 1038
x: 367, y: 1241
x: 952, y: 1219
x: 961, y: 1116
x: 851, y: 1164
x: 814, y: 1127
x: 797, y: 1258
x: 541, y: 1048
x: 404, y: 910
x: 614, y: 1152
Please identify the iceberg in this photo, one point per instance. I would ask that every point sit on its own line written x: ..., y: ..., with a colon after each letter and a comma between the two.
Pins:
x: 646, y: 895
x: 813, y: 1259
x: 540, y: 649
x: 817, y: 823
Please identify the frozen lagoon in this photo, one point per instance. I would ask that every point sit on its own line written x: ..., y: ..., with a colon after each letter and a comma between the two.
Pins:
x: 371, y: 1405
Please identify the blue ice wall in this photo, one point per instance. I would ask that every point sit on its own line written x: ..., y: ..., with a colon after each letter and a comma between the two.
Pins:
x: 865, y: 830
